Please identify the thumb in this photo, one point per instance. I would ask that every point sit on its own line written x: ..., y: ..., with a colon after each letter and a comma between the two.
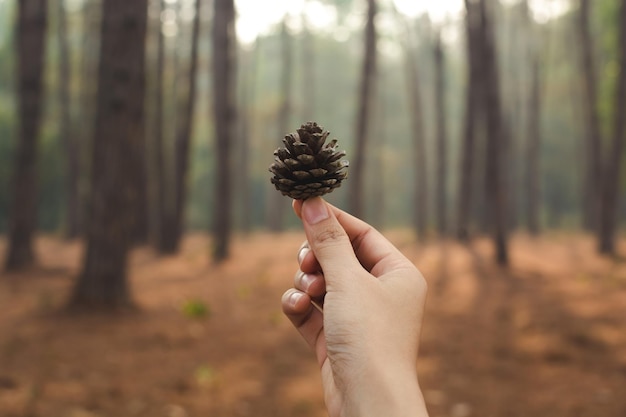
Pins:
x: 328, y: 240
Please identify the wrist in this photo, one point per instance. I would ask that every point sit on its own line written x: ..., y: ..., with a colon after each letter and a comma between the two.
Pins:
x: 389, y: 394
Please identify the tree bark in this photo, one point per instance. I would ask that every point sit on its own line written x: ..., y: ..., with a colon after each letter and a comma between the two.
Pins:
x: 440, y: 108
x: 466, y: 172
x: 533, y: 166
x: 173, y: 227
x: 31, y: 31
x: 610, y: 195
x: 117, y: 153
x: 65, y: 126
x: 158, y: 145
x: 593, y: 169
x: 86, y: 111
x: 248, y: 93
x: 309, y: 104
x: 496, y: 195
x: 366, y: 96
x: 277, y: 213
x: 418, y: 133
x: 224, y: 70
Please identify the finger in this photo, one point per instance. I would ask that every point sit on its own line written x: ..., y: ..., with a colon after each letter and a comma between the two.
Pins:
x: 306, y: 319
x: 314, y: 285
x: 328, y: 240
x: 373, y: 250
x: 307, y: 260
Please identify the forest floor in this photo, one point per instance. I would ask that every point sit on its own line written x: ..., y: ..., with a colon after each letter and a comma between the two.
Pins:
x: 546, y: 337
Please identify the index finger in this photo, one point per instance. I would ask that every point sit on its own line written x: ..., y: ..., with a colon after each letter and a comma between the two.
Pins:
x: 373, y: 250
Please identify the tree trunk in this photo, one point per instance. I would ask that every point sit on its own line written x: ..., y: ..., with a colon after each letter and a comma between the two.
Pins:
x: 86, y: 111
x: 593, y: 169
x: 31, y: 31
x: 117, y: 152
x: 466, y: 172
x: 65, y: 126
x: 308, y: 71
x: 420, y: 194
x: 533, y: 166
x: 248, y: 93
x: 611, y: 185
x: 440, y: 108
x: 224, y: 71
x: 173, y: 227
x: 279, y: 203
x: 365, y: 102
x: 496, y: 196
x: 158, y: 144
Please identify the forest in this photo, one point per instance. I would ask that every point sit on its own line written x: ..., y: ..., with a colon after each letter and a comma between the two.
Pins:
x: 143, y: 248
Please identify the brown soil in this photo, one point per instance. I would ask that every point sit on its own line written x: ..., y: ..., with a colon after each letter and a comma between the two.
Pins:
x: 545, y: 338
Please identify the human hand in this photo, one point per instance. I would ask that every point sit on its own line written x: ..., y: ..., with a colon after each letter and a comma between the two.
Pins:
x: 366, y: 338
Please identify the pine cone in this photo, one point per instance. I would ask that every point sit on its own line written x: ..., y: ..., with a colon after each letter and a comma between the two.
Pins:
x: 306, y: 167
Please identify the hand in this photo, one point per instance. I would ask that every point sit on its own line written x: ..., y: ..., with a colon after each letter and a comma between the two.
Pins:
x: 366, y: 332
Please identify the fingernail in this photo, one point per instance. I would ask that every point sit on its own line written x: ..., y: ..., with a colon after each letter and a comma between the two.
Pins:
x: 305, y: 282
x: 314, y: 210
x: 294, y: 298
x: 302, y: 254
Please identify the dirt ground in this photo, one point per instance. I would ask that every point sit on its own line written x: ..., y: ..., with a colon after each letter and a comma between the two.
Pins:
x: 546, y: 337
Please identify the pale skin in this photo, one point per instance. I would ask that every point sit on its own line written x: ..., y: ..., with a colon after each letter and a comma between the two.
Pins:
x: 358, y: 302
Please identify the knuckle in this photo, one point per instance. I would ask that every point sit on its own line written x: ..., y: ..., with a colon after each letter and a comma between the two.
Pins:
x: 330, y: 235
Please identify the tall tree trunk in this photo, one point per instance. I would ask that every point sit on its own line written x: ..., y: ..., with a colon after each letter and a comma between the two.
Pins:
x: 31, y: 31
x: 496, y: 195
x: 224, y: 70
x: 65, y: 126
x: 158, y: 144
x: 593, y: 169
x: 611, y: 185
x: 466, y: 172
x: 533, y: 166
x: 117, y: 152
x: 86, y: 111
x: 418, y: 132
x: 308, y: 71
x: 279, y: 203
x: 440, y: 108
x: 174, y: 226
x: 248, y: 93
x: 364, y: 105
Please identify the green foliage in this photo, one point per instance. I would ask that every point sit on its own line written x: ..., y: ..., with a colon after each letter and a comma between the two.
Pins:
x: 196, y: 309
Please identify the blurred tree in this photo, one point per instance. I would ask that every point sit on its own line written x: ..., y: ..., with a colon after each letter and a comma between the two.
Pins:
x: 174, y: 227
x: 158, y: 146
x: 31, y: 31
x: 86, y: 108
x: 496, y: 133
x: 364, y: 110
x: 533, y: 147
x: 593, y: 142
x: 308, y: 70
x: 442, y: 158
x: 279, y: 203
x: 418, y: 131
x: 224, y: 66
x: 472, y: 112
x: 118, y: 149
x: 248, y: 94
x: 611, y: 180
x: 66, y: 130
